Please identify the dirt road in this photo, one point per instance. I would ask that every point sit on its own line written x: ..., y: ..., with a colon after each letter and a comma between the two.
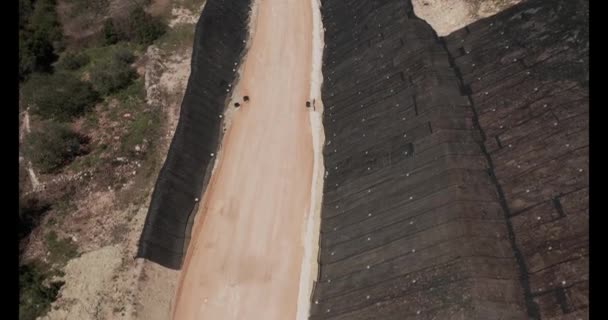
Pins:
x: 245, y: 255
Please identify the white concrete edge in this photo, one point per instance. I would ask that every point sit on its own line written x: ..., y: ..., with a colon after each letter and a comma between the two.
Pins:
x: 310, y: 235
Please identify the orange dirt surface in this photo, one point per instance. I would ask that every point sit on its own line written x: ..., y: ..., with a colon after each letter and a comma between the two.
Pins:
x: 245, y: 256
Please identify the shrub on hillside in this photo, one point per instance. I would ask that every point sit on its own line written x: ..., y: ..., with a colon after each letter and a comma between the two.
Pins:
x: 51, y: 146
x: 143, y: 28
x: 35, y: 294
x: 123, y: 55
x: 111, y: 76
x: 59, y: 96
x: 36, y: 53
x: 25, y: 11
x: 111, y: 33
x: 61, y: 250
x: 138, y: 26
x: 31, y: 211
x: 44, y: 19
x: 73, y: 61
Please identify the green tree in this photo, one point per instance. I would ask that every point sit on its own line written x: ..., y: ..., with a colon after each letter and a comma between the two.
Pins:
x: 111, y: 33
x: 59, y: 96
x: 51, y: 146
x: 36, y: 53
x: 40, y: 36
x: 143, y: 28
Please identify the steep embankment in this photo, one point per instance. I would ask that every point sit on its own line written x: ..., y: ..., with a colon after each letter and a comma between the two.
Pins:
x: 411, y: 224
x: 527, y: 74
x: 446, y: 157
x: 219, y: 43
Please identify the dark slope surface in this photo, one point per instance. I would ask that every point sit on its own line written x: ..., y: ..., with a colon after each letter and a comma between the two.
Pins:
x: 528, y: 73
x: 418, y: 216
x: 218, y: 46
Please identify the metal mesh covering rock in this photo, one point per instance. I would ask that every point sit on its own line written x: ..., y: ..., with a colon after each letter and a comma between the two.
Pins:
x: 218, y: 46
x: 424, y: 214
x: 528, y: 73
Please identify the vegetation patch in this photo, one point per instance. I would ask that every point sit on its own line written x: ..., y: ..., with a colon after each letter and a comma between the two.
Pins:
x: 31, y: 211
x: 106, y: 54
x: 138, y: 27
x: 61, y: 250
x: 144, y: 128
x: 60, y: 96
x: 91, y: 90
x: 72, y: 61
x: 143, y: 28
x: 109, y: 76
x: 97, y: 7
x: 40, y: 36
x: 179, y: 38
x: 52, y: 146
x: 36, y: 293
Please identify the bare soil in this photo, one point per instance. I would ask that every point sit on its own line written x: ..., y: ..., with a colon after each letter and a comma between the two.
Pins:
x: 447, y: 16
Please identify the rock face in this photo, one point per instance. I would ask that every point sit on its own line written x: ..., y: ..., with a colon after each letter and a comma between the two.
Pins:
x: 182, y: 16
x: 153, y: 71
x: 219, y: 44
x: 527, y: 72
x: 456, y: 183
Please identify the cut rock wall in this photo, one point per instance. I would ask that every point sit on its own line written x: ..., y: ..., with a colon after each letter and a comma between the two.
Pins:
x: 219, y: 44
